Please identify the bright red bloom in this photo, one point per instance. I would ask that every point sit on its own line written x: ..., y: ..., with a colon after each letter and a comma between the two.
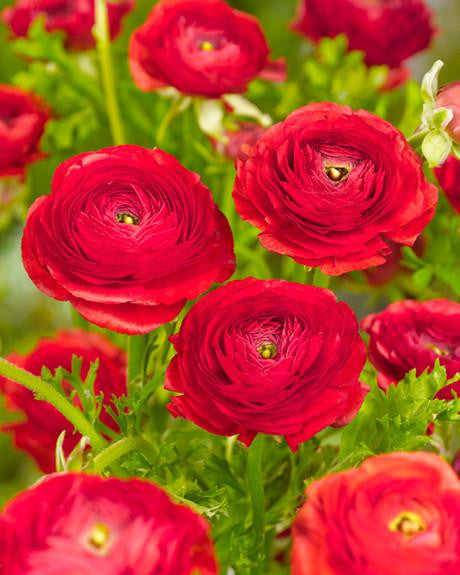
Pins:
x: 75, y: 523
x: 331, y: 187
x: 127, y: 236
x: 396, y: 514
x: 449, y: 97
x: 269, y: 357
x: 387, y: 32
x: 73, y: 17
x: 448, y: 175
x: 42, y: 425
x: 201, y: 47
x: 22, y: 121
x: 412, y: 335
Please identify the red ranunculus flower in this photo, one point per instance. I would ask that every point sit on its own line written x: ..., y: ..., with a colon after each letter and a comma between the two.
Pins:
x: 449, y: 97
x: 413, y: 334
x: 42, y: 423
x: 73, y: 17
x: 330, y: 187
x: 267, y: 357
x: 240, y: 140
x: 22, y: 121
x: 396, y: 514
x: 449, y: 178
x: 387, y: 32
x: 75, y: 523
x: 201, y: 47
x: 127, y: 236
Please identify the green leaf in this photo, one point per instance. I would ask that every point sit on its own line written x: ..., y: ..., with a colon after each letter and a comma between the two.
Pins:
x: 436, y: 147
x: 429, y: 89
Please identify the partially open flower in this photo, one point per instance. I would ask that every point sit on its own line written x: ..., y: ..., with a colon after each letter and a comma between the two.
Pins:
x: 448, y: 175
x: 87, y: 525
x: 413, y: 335
x: 396, y: 514
x: 22, y: 121
x: 269, y: 357
x: 41, y: 423
x: 75, y: 18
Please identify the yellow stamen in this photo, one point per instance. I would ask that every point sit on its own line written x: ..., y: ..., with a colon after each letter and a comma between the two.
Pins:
x: 128, y: 219
x: 207, y: 46
x: 408, y: 523
x: 267, y: 350
x: 437, y: 350
x: 99, y: 536
x: 337, y: 173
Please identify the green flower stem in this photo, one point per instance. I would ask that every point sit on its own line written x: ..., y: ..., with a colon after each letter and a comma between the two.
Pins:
x: 47, y: 392
x: 256, y: 493
x: 115, y: 451
x: 170, y: 115
x: 137, y: 346
x: 320, y: 279
x: 102, y: 37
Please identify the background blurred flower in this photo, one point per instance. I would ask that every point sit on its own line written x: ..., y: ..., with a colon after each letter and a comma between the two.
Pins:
x: 87, y: 524
x: 412, y: 335
x: 22, y: 121
x: 269, y: 357
x: 449, y: 97
x: 330, y: 187
x: 387, y: 32
x: 200, y: 47
x: 136, y: 236
x: 42, y: 424
x: 75, y: 18
x: 404, y: 503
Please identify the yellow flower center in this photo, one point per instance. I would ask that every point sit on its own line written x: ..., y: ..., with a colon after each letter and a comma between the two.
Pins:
x: 128, y: 219
x: 267, y: 350
x: 207, y: 46
x: 99, y: 536
x: 437, y: 350
x: 408, y: 523
x: 337, y: 173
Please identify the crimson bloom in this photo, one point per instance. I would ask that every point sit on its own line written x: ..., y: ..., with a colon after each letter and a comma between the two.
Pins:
x: 448, y: 175
x: 269, y: 357
x: 449, y: 97
x: 75, y: 523
x: 200, y: 47
x: 22, y: 121
x: 127, y: 236
x: 38, y: 432
x: 73, y: 17
x: 412, y: 335
x: 331, y: 187
x: 397, y: 514
x: 387, y: 32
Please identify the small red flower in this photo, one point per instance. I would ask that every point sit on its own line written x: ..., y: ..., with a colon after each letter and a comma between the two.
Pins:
x: 412, y: 335
x: 38, y: 432
x: 200, y: 47
x: 449, y: 178
x: 449, y: 97
x: 269, y: 357
x: 75, y: 18
x: 397, y: 514
x: 332, y: 188
x: 240, y: 140
x: 127, y: 236
x: 387, y: 32
x: 22, y: 121
x: 83, y: 524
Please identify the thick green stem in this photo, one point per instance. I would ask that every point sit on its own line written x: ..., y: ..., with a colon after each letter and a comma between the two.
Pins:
x: 137, y: 345
x: 102, y: 37
x: 416, y: 139
x: 256, y: 489
x: 320, y: 279
x: 115, y: 451
x: 48, y: 393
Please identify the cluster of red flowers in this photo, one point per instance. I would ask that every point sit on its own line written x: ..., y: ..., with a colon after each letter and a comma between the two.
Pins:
x: 129, y: 236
